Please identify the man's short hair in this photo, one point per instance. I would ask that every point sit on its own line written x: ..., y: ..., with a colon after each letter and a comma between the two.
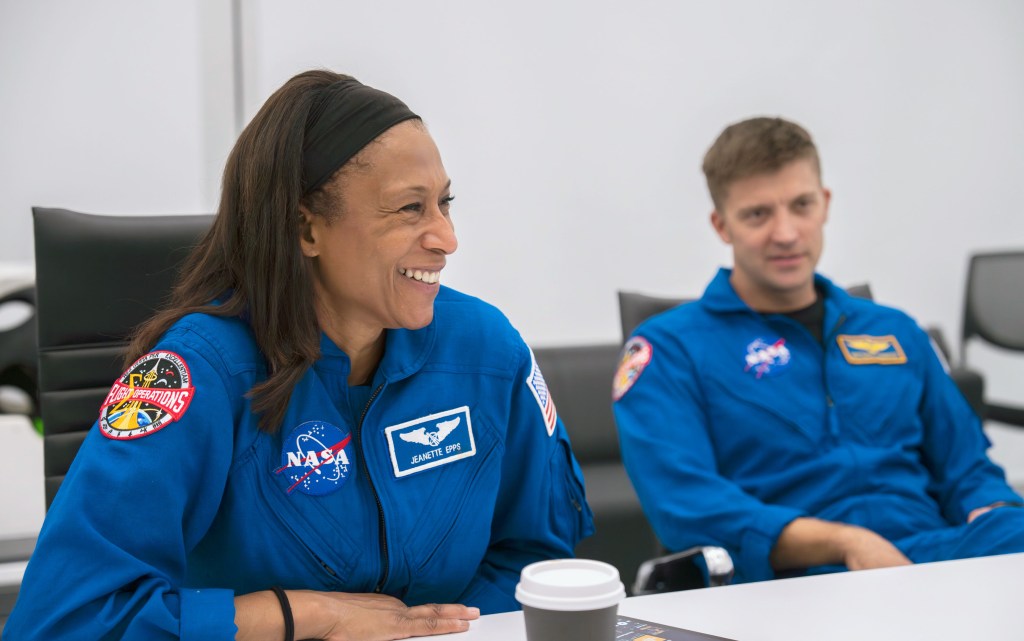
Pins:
x: 755, y: 146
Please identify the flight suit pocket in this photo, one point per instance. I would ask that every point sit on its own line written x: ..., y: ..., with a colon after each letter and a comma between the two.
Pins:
x: 446, y: 557
x: 870, y: 412
x: 306, y: 525
x: 571, y: 517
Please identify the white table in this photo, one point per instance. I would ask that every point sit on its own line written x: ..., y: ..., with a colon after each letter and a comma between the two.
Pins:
x: 975, y: 599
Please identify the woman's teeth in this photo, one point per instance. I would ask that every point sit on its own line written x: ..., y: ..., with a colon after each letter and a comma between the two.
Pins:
x: 421, y: 275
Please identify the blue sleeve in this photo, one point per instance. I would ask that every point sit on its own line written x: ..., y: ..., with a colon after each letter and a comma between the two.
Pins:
x: 954, y: 445
x: 670, y: 458
x: 541, y: 511
x: 111, y: 557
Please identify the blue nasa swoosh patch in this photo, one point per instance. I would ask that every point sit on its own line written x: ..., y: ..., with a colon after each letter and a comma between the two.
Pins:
x: 430, y: 441
x: 765, y: 358
x: 316, y: 458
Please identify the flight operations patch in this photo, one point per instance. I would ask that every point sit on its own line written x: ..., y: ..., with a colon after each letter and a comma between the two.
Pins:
x: 862, y: 349
x: 154, y: 392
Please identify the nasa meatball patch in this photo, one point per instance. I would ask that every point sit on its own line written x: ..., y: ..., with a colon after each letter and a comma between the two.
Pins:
x: 765, y: 358
x: 316, y: 458
x: 154, y: 392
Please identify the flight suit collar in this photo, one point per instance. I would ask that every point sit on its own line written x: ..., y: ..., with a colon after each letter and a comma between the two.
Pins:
x: 405, y: 352
x: 721, y: 298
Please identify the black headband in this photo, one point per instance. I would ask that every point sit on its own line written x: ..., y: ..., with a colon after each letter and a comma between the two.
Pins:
x: 343, y: 119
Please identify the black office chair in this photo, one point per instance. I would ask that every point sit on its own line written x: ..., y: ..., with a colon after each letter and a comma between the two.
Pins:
x: 18, y: 395
x: 97, y: 277
x: 18, y: 360
x: 696, y: 567
x: 580, y: 380
x: 635, y: 308
x: 994, y: 314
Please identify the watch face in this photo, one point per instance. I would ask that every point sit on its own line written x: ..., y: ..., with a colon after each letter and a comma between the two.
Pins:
x: 155, y: 391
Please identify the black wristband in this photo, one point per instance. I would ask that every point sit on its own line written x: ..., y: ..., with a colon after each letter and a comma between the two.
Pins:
x: 286, y: 610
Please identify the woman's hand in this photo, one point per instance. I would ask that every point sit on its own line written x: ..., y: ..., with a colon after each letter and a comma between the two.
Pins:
x: 377, y: 617
x: 340, y: 616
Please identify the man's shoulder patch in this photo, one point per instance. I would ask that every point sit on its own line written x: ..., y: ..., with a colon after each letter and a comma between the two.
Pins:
x: 636, y: 354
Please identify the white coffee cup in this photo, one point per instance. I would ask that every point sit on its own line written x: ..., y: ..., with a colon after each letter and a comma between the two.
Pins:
x: 570, y: 600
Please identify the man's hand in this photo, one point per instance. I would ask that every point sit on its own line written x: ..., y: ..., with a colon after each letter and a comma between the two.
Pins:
x: 808, y: 542
x: 976, y: 512
x: 865, y: 550
x: 340, y: 616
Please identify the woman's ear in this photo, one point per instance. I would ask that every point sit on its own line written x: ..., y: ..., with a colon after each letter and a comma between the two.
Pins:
x: 307, y: 233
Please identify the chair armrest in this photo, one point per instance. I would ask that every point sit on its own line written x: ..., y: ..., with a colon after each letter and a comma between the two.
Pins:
x: 696, y: 567
x: 1006, y: 414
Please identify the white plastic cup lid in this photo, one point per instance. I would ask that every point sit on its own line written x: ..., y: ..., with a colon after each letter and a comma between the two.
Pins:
x: 570, y: 585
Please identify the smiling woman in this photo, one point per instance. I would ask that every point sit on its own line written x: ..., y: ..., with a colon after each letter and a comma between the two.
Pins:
x: 318, y: 438
x: 381, y: 243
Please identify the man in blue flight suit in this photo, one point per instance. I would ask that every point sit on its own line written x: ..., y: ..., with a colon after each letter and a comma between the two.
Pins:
x: 800, y: 428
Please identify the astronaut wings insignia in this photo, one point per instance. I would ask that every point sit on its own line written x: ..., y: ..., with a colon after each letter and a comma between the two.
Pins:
x: 430, y: 441
x: 871, y: 347
x: 871, y: 350
x: 423, y: 437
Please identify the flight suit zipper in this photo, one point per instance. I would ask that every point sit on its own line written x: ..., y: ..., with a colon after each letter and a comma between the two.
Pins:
x: 830, y: 410
x: 373, y: 490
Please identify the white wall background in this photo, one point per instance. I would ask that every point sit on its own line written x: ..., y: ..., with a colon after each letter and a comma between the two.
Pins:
x: 573, y: 130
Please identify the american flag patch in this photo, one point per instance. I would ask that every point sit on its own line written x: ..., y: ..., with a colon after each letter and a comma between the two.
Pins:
x: 535, y: 381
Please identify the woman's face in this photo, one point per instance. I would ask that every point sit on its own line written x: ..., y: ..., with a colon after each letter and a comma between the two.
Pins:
x: 378, y: 263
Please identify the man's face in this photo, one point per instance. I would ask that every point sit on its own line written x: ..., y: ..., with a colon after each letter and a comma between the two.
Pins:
x: 774, y: 223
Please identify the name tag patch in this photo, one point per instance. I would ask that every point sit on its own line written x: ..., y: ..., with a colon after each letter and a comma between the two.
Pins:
x: 430, y: 441
x: 871, y: 350
x: 317, y: 458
